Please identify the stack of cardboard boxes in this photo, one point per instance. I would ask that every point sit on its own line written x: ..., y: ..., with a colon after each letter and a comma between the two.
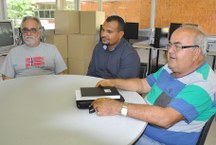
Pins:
x: 76, y: 34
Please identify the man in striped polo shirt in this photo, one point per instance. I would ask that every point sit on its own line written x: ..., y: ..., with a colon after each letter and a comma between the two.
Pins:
x: 181, y: 96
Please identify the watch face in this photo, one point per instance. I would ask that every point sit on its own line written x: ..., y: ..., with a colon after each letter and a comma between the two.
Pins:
x: 124, y: 110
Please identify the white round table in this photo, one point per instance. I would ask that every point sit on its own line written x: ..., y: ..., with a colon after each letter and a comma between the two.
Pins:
x: 42, y: 110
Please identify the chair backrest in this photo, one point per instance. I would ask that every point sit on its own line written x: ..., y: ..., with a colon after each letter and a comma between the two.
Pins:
x: 205, y: 131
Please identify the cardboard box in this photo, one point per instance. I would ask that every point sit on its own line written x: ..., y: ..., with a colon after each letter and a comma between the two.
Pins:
x: 66, y: 22
x: 60, y: 41
x: 90, y: 21
x: 78, y: 66
x: 50, y: 39
x: 81, y: 46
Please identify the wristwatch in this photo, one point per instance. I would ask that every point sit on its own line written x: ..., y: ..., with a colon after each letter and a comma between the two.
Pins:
x: 124, y: 109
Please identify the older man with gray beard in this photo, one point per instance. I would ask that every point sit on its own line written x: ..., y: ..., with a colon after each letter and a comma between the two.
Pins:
x: 33, y: 57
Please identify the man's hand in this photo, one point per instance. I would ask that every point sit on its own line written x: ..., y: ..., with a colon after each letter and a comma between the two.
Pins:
x: 105, y: 83
x: 107, y: 107
x: 4, y: 77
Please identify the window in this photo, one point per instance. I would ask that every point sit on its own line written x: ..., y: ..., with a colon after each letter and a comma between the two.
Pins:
x: 44, y: 9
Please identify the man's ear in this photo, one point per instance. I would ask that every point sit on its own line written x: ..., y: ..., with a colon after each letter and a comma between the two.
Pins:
x: 197, y: 53
x: 121, y: 33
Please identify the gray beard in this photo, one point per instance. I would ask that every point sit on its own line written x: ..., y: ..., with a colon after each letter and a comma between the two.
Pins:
x: 29, y: 40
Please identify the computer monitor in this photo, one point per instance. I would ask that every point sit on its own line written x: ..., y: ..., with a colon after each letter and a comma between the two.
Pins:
x: 161, y: 37
x: 7, y: 36
x: 131, y: 30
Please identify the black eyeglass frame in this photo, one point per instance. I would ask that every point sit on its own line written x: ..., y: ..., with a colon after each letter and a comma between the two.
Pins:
x: 182, y: 47
x: 32, y: 30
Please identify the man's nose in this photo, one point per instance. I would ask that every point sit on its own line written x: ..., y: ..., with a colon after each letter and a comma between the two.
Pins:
x: 28, y: 33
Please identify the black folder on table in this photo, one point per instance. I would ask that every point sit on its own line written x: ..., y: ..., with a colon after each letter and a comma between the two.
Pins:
x: 86, y: 95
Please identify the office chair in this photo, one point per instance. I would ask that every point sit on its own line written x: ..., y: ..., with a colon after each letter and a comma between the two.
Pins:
x: 205, y: 131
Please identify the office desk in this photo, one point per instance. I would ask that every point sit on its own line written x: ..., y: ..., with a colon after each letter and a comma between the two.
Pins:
x: 41, y: 110
x: 153, y: 56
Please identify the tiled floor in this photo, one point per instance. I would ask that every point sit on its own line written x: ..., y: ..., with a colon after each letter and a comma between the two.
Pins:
x: 211, y: 138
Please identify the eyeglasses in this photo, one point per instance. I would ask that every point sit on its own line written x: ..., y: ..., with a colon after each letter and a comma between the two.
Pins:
x: 178, y: 46
x: 32, y: 30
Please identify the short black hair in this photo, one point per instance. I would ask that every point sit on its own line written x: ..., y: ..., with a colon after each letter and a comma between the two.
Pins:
x: 118, y: 19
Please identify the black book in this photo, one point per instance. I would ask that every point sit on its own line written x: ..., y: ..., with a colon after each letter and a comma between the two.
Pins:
x: 85, y: 96
x: 98, y: 92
